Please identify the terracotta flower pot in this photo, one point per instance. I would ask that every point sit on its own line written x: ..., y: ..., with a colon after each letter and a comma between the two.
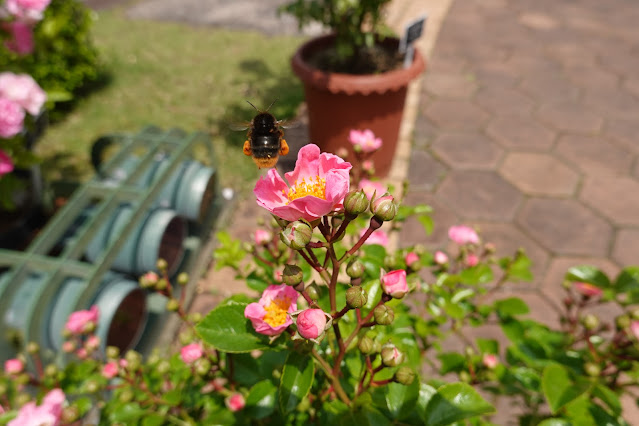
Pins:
x: 338, y: 103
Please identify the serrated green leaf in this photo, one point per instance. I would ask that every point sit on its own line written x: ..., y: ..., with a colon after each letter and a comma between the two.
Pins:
x: 226, y: 328
x: 588, y: 274
x: 296, y: 381
x: 559, y: 387
x: 260, y: 402
x: 455, y: 402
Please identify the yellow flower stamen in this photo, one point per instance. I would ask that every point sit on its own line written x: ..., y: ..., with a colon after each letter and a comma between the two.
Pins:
x: 315, y: 187
x: 276, y: 312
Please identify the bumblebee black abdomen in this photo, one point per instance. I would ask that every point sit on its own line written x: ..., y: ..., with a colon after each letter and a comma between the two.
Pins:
x: 265, y: 146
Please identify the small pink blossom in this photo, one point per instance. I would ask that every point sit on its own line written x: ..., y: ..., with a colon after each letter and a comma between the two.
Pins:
x: 463, y: 235
x: 151, y: 277
x: 92, y: 343
x: 364, y: 140
x: 634, y: 328
x: 29, y: 10
x: 262, y: 237
x: 82, y: 353
x: 394, y: 283
x: 368, y: 166
x: 441, y: 258
x: 377, y: 237
x: 1, y: 410
x: 48, y: 413
x: 68, y: 346
x: 490, y: 361
x: 6, y: 164
x: 315, y: 188
x: 11, y: 118
x: 123, y: 363
x: 235, y: 402
x: 81, y: 321
x: 472, y: 259
x: 191, y: 353
x: 277, y: 275
x: 270, y: 315
x: 371, y: 187
x: 20, y: 39
x: 588, y: 290
x: 311, y: 323
x: 13, y: 366
x: 23, y: 90
x: 110, y: 370
x: 411, y: 257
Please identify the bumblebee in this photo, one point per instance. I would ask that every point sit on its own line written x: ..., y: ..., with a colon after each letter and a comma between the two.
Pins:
x: 264, y: 139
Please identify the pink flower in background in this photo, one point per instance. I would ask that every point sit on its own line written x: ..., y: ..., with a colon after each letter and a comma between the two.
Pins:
x: 48, y: 413
x: 394, y: 283
x: 411, y: 257
x: 262, y: 237
x: 235, y: 402
x: 368, y: 166
x: 92, y: 343
x: 23, y: 90
x: 11, y: 118
x: 317, y: 186
x: 80, y: 321
x: 587, y: 289
x: 490, y: 360
x: 191, y: 353
x: 29, y: 10
x: 472, y: 260
x: 13, y: 366
x: 371, y: 187
x: 68, y: 346
x: 1, y: 410
x: 634, y: 328
x: 440, y: 258
x: 110, y: 370
x: 311, y: 323
x: 20, y: 39
x: 364, y: 140
x: 270, y: 314
x: 377, y: 237
x: 463, y: 235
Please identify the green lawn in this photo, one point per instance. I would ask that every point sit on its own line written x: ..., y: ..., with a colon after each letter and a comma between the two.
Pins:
x: 173, y: 75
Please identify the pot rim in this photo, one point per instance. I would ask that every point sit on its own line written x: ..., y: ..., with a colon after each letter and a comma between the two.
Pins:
x: 353, y: 83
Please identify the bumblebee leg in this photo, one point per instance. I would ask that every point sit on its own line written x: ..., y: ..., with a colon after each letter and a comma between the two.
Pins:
x: 283, y: 147
x: 247, y: 148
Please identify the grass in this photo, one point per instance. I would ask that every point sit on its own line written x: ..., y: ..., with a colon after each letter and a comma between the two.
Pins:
x: 173, y: 75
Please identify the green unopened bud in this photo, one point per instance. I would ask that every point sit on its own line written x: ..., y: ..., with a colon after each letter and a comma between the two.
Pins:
x: 50, y: 370
x: 183, y: 278
x: 356, y: 297
x: 70, y: 414
x: 464, y: 376
x: 384, y: 207
x: 355, y: 268
x: 112, y: 352
x: 391, y: 356
x: 32, y: 348
x: 393, y: 261
x: 162, y: 265
x: 635, y: 314
x: 91, y: 386
x: 3, y: 389
x: 366, y: 345
x: 623, y: 321
x: 172, y: 305
x: 405, y: 375
x: 592, y: 369
x: 202, y: 366
x: 469, y: 351
x: 161, y: 284
x: 195, y: 317
x: 186, y: 337
x: 163, y: 367
x: 313, y: 291
x: 22, y: 379
x: 590, y: 322
x: 126, y: 395
x: 304, y: 405
x: 22, y: 399
x: 297, y: 234
x: 292, y: 275
x: 383, y: 315
x: 133, y: 359
x: 355, y: 203
x: 153, y: 359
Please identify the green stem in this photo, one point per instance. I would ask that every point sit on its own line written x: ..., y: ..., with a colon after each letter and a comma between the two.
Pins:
x: 337, y: 386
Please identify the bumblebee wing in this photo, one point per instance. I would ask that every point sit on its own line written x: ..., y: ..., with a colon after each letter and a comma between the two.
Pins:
x: 239, y: 125
x: 288, y: 124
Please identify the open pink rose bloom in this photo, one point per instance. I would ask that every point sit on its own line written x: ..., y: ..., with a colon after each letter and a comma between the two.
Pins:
x: 270, y: 315
x: 463, y: 234
x: 315, y: 188
x: 365, y: 139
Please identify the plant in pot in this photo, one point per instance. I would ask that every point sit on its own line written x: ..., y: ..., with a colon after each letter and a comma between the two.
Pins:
x: 353, y: 77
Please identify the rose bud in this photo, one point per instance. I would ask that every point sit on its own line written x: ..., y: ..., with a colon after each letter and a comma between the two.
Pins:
x: 311, y: 323
x: 391, y: 356
x: 383, y: 315
x: 356, y: 297
x: 112, y: 352
x: 313, y: 291
x: 592, y: 369
x: 405, y: 375
x: 183, y: 278
x: 13, y: 366
x: 588, y: 290
x: 162, y: 265
x: 590, y: 322
x: 412, y: 260
x: 292, y: 275
x: 172, y: 305
x: 202, y: 366
x: 262, y: 237
x: 235, y: 402
x: 110, y: 370
x: 355, y: 268
x: 191, y: 353
x: 394, y: 283
x: 384, y: 208
x: 133, y: 358
x: 70, y: 414
x: 366, y: 345
x: 490, y: 361
x: 440, y: 258
x: 32, y: 348
x: 355, y: 203
x: 149, y: 280
x: 297, y: 234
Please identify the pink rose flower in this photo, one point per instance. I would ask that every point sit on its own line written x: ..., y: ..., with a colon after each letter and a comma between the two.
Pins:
x: 11, y: 118
x: 364, y: 140
x: 23, y: 90
x: 110, y: 370
x: 48, y: 413
x: 191, y: 353
x: 588, y: 290
x: 29, y: 10
x: 311, y: 323
x: 270, y: 315
x: 68, y: 346
x: 368, y: 166
x: 634, y: 328
x: 394, y: 283
x: 13, y: 366
x: 235, y: 402
x: 411, y: 257
x: 371, y: 187
x: 92, y: 343
x: 82, y: 353
x: 490, y: 361
x: 317, y: 186
x: 20, y: 39
x: 440, y: 258
x: 463, y: 235
x: 262, y: 237
x: 472, y: 260
x: 377, y: 237
x: 6, y: 165
x: 81, y: 321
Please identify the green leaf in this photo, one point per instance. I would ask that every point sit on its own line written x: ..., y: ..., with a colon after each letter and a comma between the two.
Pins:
x: 153, y: 419
x: 608, y: 397
x: 296, y: 381
x: 455, y: 402
x: 427, y: 223
x: 627, y: 280
x: 480, y: 274
x: 401, y: 399
x: 488, y: 346
x: 127, y: 413
x: 559, y: 387
x: 260, y: 402
x: 226, y: 328
x: 426, y: 392
x: 588, y: 274
x: 511, y: 307
x: 451, y: 361
x: 255, y: 282
x: 519, y: 269
x: 555, y: 422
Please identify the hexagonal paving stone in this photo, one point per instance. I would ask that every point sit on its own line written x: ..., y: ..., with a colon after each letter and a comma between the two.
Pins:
x: 594, y: 155
x: 449, y: 85
x: 454, y: 114
x: 565, y: 227
x: 467, y: 150
x: 547, y: 87
x: 589, y: 76
x: 615, y: 197
x: 521, y: 133
x: 624, y: 132
x: 495, y: 74
x: 539, y: 174
x: 571, y: 117
x: 477, y: 195
x: 612, y: 103
x: 424, y: 171
x: 503, y: 101
x: 626, y: 248
x: 632, y: 86
x: 443, y: 217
